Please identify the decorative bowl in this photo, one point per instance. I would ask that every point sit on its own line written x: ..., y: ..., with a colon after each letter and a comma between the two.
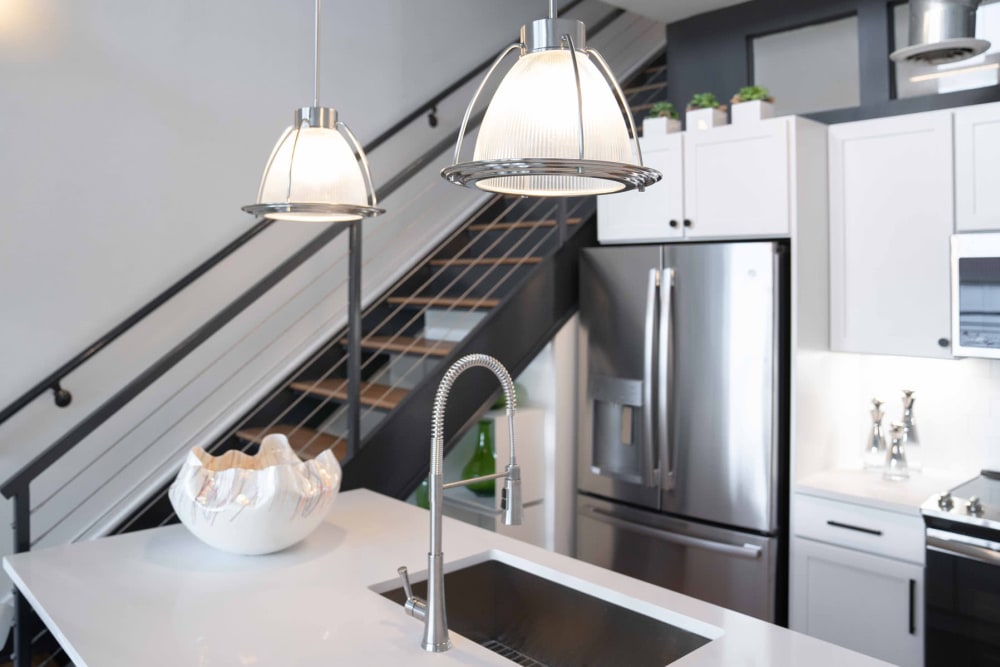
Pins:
x: 255, y: 504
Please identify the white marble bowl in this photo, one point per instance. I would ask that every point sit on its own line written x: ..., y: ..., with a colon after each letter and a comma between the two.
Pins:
x: 255, y: 504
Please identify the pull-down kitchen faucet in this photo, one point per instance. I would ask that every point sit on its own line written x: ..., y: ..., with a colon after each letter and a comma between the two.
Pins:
x: 432, y: 612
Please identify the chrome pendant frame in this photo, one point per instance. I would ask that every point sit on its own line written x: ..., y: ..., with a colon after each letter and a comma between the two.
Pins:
x: 317, y: 117
x: 541, y: 35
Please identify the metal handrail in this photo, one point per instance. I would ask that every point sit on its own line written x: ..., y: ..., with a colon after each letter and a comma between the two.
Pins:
x: 53, y: 380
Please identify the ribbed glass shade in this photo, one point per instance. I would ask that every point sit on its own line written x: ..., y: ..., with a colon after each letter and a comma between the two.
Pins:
x: 535, y: 114
x: 322, y: 169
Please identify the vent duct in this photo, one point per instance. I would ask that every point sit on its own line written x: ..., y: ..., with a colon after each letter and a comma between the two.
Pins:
x: 941, y: 31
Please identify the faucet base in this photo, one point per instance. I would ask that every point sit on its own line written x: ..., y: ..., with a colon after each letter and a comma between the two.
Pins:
x: 437, y: 648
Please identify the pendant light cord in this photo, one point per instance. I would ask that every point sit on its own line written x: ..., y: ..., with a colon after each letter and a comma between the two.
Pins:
x: 316, y: 81
x: 552, y: 8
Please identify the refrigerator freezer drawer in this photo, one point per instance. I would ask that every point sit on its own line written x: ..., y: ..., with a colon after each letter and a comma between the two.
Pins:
x: 725, y: 567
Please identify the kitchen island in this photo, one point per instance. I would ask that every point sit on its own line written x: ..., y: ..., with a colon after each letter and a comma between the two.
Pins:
x: 161, y: 597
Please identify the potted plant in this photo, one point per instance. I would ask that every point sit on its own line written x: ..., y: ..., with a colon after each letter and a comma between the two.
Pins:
x: 704, y: 112
x: 662, y: 119
x: 751, y: 104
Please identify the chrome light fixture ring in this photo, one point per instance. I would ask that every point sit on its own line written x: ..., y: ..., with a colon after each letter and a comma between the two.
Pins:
x: 629, y: 176
x: 313, y: 208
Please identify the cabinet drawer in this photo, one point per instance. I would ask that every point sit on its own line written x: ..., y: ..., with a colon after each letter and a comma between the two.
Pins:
x: 858, y: 527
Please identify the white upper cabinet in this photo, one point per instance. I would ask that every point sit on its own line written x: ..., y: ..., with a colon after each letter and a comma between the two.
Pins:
x: 729, y: 182
x: 977, y: 168
x: 891, y: 208
x: 656, y: 214
x: 736, y: 180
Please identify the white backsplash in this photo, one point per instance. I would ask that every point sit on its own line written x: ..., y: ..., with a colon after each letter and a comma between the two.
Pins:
x: 957, y: 408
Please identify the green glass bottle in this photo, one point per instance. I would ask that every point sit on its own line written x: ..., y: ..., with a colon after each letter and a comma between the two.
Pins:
x: 423, y: 495
x: 483, y: 461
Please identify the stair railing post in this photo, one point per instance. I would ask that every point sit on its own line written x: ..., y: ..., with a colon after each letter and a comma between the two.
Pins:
x: 561, y: 213
x: 354, y: 340
x: 22, y: 610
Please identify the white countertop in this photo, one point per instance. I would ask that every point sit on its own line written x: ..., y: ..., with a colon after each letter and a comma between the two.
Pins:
x: 161, y: 597
x: 867, y: 487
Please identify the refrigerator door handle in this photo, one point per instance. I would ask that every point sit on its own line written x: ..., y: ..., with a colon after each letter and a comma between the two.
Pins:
x: 748, y: 551
x: 665, y: 380
x: 648, y: 359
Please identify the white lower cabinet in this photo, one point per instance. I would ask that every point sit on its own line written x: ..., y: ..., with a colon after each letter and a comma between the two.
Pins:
x: 857, y: 578
x: 864, y: 602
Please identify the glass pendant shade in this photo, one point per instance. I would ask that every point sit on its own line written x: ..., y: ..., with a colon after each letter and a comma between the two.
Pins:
x: 317, y: 171
x: 535, y: 114
x: 313, y: 171
x: 558, y: 124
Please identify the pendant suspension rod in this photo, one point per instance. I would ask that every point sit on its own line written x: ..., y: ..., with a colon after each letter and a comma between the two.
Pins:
x: 316, y: 71
x: 552, y: 8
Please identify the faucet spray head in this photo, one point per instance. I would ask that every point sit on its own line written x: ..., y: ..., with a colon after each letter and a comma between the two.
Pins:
x: 510, y: 498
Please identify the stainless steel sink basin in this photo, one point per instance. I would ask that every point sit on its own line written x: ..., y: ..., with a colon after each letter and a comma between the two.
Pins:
x: 534, y: 621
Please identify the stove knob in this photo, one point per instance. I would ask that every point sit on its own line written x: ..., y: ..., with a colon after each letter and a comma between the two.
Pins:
x: 974, y: 506
x: 945, y: 502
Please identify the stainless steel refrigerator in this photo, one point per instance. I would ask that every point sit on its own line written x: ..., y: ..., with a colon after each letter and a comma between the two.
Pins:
x: 682, y: 466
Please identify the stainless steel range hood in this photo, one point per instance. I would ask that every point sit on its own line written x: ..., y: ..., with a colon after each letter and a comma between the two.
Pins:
x: 941, y: 31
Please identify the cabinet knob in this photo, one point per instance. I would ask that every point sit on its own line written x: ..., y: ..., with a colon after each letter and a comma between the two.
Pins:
x: 673, y: 223
x: 687, y: 223
x: 944, y: 342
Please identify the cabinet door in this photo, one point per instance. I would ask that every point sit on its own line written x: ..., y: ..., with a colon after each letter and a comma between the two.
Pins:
x: 736, y: 180
x: 653, y: 215
x: 891, y: 199
x: 867, y: 603
x: 977, y: 168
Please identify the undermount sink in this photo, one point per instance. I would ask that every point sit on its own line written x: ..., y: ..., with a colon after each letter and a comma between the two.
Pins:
x: 535, y: 621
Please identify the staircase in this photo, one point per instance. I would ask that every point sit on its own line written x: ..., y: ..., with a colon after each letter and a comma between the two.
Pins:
x: 502, y: 283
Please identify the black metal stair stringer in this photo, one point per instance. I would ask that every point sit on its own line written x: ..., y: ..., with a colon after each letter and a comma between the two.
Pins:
x: 395, y: 457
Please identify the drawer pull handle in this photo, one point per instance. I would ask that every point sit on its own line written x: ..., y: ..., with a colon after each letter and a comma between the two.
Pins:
x: 913, y: 606
x: 870, y: 531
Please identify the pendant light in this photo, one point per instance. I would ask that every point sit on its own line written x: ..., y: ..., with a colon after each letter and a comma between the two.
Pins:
x: 558, y: 124
x: 317, y: 171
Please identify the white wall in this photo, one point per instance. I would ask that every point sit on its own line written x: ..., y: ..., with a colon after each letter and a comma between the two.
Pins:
x: 131, y: 134
x: 957, y: 408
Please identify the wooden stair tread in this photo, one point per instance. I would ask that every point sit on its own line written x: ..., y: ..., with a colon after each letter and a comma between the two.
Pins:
x: 476, y: 261
x: 644, y: 88
x: 306, y: 441
x: 642, y: 107
x: 372, y: 394
x: 406, y: 345
x: 653, y: 69
x: 522, y: 224
x: 444, y: 301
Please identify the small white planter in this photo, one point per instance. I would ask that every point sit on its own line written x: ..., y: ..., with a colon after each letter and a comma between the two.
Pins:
x: 659, y: 125
x: 752, y: 112
x: 704, y: 119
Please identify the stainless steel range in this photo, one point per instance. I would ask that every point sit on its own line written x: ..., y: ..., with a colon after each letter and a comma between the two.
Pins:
x: 963, y: 574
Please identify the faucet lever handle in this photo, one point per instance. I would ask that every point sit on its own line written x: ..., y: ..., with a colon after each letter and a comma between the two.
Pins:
x: 405, y: 576
x: 414, y: 606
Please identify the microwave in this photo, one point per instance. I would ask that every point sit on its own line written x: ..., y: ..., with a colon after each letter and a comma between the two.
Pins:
x: 975, y: 295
